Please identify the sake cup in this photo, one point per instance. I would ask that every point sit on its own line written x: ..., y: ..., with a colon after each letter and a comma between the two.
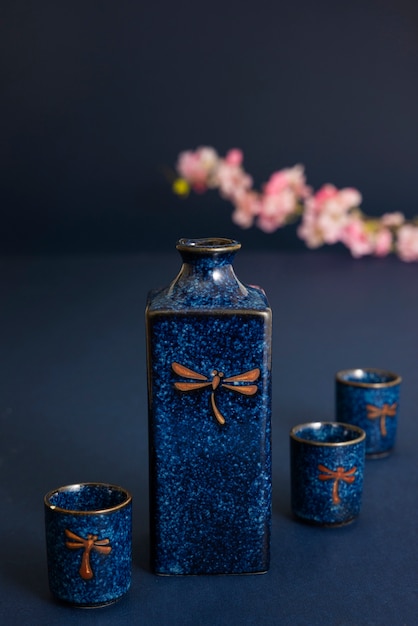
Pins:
x: 88, y: 541
x: 369, y: 398
x: 327, y: 465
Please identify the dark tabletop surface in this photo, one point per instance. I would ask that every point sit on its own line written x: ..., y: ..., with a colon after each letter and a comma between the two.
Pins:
x: 73, y: 408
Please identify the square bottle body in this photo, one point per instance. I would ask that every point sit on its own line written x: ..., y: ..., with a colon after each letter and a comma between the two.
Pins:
x: 209, y: 384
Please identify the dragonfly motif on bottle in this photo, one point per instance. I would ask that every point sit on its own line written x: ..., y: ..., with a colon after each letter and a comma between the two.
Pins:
x: 236, y: 383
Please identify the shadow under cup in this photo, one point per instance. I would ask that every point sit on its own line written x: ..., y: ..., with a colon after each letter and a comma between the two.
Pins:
x: 89, y: 543
x: 327, y: 466
x: 369, y: 398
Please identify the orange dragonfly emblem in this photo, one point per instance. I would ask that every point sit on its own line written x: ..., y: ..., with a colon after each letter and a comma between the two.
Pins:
x: 218, y: 379
x: 375, y: 412
x: 91, y: 543
x: 339, y: 474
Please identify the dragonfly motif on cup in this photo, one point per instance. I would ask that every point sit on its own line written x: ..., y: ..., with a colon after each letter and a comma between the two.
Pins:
x: 376, y: 412
x: 339, y: 474
x: 237, y: 383
x: 91, y: 543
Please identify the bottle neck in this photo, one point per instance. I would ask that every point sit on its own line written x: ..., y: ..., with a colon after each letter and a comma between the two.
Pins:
x: 207, y: 268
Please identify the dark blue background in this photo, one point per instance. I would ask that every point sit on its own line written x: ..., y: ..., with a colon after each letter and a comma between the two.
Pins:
x: 98, y: 98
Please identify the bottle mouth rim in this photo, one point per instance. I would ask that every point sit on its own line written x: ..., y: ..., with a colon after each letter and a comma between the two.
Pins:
x: 206, y: 245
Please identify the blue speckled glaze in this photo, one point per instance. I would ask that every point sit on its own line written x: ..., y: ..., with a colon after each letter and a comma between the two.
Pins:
x: 89, y: 509
x: 318, y: 451
x: 357, y: 390
x: 210, y: 482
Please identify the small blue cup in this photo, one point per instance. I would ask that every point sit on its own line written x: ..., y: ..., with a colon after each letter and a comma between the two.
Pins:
x: 327, y: 465
x: 89, y: 543
x: 369, y: 398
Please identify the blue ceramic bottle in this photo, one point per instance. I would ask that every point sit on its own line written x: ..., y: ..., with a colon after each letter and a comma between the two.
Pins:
x: 209, y: 383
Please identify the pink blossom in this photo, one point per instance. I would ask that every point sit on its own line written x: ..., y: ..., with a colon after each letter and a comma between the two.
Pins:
x: 197, y: 167
x: 293, y: 177
x: 310, y: 231
x: 275, y: 209
x: 247, y: 206
x: 349, y: 198
x: 392, y: 219
x: 323, y: 195
x: 281, y: 197
x: 357, y: 238
x: 232, y: 180
x: 234, y: 157
x: 330, y: 199
x: 329, y: 216
x: 383, y: 242
x: 331, y: 223
x: 326, y: 215
x: 407, y: 242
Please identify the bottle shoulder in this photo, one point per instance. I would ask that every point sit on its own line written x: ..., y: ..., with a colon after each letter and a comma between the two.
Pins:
x: 166, y: 299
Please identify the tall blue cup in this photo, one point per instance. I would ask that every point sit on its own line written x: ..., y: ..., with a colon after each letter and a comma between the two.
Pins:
x: 88, y: 540
x: 369, y: 398
x: 327, y: 466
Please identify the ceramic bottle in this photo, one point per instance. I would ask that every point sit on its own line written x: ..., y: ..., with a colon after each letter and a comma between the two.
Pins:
x: 209, y: 391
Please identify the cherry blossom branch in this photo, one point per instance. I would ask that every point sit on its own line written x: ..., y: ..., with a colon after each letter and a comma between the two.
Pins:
x: 327, y: 216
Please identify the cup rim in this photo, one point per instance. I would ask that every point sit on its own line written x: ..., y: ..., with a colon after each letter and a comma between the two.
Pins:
x: 75, y: 486
x: 395, y: 379
x: 335, y: 444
